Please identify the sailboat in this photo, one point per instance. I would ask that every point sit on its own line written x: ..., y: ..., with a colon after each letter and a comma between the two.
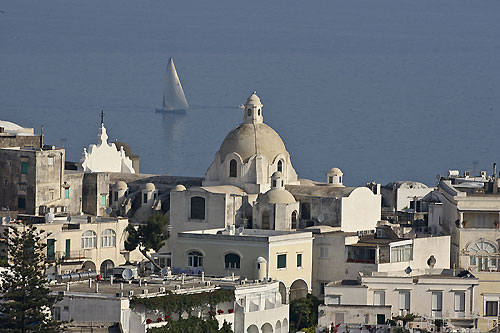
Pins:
x: 174, y: 99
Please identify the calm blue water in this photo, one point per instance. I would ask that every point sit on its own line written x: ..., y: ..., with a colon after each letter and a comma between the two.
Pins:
x: 386, y: 90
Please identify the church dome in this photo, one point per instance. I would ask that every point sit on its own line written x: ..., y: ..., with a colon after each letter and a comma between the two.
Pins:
x: 252, y: 139
x: 179, y: 188
x: 336, y: 171
x: 276, y: 196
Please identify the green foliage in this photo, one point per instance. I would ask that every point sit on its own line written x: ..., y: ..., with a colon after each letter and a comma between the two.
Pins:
x: 26, y: 300
x: 193, y: 325
x: 147, y: 236
x: 304, y: 312
x: 172, y: 303
x: 406, y: 318
x: 439, y: 323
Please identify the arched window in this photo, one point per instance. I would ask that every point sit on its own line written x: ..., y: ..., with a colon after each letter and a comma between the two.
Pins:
x: 280, y: 166
x: 89, y: 240
x: 265, y: 220
x: 482, y: 255
x: 108, y: 238
x: 294, y: 219
x: 305, y: 211
x: 195, y: 259
x: 232, y: 261
x: 198, y: 208
x: 233, y: 171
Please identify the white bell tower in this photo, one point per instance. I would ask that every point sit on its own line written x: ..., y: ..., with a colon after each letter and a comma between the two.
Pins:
x: 253, y: 110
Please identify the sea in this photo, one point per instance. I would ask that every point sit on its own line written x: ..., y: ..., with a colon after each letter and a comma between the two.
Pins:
x: 386, y: 90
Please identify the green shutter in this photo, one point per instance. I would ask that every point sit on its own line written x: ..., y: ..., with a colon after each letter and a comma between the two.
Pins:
x: 103, y: 200
x: 299, y: 259
x: 66, y: 193
x: 281, y: 260
x: 24, y: 168
x: 51, y: 245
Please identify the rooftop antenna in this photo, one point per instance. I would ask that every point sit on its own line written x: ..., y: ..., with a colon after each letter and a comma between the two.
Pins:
x: 41, y: 136
x: 102, y: 117
x: 475, y: 163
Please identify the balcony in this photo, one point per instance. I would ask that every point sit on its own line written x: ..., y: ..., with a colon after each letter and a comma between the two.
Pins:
x: 72, y: 256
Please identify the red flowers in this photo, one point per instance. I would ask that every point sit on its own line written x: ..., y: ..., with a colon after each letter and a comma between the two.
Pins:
x: 148, y: 321
x: 220, y: 311
x: 167, y: 317
x: 230, y: 310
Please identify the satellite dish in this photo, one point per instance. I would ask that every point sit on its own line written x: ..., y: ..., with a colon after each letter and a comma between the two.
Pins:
x: 321, y: 218
x: 127, y: 274
x: 408, y: 270
x: 8, y: 219
x: 108, y: 210
x: 68, y: 219
x: 49, y: 217
x: 164, y: 271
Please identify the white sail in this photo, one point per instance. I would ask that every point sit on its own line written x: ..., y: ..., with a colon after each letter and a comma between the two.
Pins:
x: 173, y: 96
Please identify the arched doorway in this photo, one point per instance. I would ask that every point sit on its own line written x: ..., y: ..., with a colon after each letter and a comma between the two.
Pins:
x: 267, y: 328
x: 252, y: 329
x: 278, y: 327
x: 106, y: 268
x: 298, y: 289
x: 284, y: 326
x: 88, y: 266
x: 282, y: 289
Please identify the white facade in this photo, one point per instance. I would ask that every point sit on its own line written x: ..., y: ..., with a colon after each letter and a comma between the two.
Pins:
x: 429, y: 294
x: 104, y: 156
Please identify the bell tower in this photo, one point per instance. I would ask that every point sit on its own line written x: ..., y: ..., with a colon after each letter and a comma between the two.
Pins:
x: 253, y: 110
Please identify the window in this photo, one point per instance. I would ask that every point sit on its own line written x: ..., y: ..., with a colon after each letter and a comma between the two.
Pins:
x: 402, y: 253
x: 437, y: 303
x: 116, y: 196
x: 379, y: 297
x: 24, y: 168
x: 367, y: 319
x: 294, y: 219
x: 57, y: 312
x: 459, y: 301
x: 66, y: 193
x: 323, y: 252
x: 479, y: 255
x: 145, y: 198
x: 265, y: 221
x: 335, y: 299
x: 89, y: 240
x: 233, y: 171
x: 21, y: 203
x: 491, y: 309
x: 330, y: 179
x: 198, y: 208
x: 195, y: 259
x: 281, y: 260
x: 274, y: 183
x: 404, y: 302
x: 108, y: 238
x: 380, y: 319
x: 280, y: 166
x: 232, y: 261
x: 299, y: 259
x: 305, y: 211
x: 50, y: 160
x: 103, y: 200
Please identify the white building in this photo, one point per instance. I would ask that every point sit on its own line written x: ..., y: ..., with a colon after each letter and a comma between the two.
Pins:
x: 104, y: 157
x: 430, y: 294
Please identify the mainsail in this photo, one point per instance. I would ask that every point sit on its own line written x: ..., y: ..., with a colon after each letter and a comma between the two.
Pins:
x: 173, y: 96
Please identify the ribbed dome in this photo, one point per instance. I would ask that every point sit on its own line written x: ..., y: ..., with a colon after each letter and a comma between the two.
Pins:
x: 251, y: 139
x: 275, y: 196
x: 336, y: 171
x: 179, y: 188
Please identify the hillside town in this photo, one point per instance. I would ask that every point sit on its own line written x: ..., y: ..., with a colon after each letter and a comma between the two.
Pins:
x: 250, y: 237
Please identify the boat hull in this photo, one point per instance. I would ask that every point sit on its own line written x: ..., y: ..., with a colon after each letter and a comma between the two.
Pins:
x: 177, y: 111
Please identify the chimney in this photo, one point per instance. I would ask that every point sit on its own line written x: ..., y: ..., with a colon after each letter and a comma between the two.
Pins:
x: 495, y: 178
x: 41, y: 137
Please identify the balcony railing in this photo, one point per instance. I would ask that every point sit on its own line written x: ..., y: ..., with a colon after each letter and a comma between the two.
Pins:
x: 72, y: 255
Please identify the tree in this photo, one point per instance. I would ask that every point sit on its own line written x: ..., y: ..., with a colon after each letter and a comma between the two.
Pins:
x: 304, y: 312
x: 147, y: 236
x: 26, y: 299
